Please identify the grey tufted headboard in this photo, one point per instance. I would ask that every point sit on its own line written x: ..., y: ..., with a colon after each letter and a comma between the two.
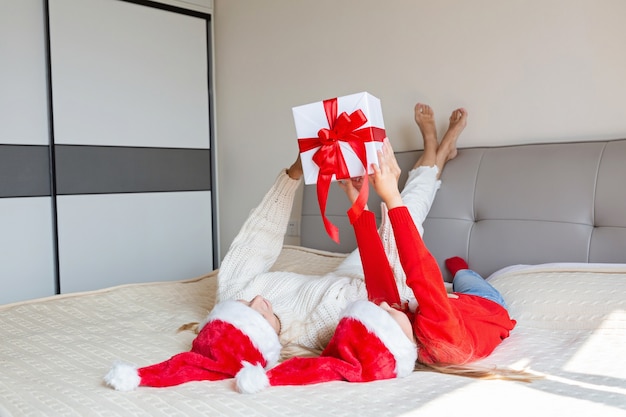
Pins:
x: 501, y: 206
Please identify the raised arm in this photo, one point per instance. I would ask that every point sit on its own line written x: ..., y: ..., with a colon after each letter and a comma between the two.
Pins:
x: 379, y: 281
x: 436, y: 318
x: 423, y: 276
x: 259, y: 241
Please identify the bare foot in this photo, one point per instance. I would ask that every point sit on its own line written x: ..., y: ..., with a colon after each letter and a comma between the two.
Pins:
x: 425, y: 119
x: 447, y: 148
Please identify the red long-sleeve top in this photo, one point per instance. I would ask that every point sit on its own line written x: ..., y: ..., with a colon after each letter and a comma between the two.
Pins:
x: 448, y: 330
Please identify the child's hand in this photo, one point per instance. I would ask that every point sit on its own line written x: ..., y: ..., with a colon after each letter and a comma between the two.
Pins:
x: 386, y: 175
x: 351, y: 187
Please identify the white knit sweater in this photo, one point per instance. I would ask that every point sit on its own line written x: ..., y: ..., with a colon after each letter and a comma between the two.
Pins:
x: 308, y: 306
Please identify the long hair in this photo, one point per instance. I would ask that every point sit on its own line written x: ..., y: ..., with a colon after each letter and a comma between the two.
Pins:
x: 480, y: 372
x: 465, y: 367
x: 193, y: 326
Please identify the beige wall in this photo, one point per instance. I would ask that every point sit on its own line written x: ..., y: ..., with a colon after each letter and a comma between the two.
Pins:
x: 526, y: 70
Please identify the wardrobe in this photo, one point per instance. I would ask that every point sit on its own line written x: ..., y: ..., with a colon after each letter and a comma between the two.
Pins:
x: 107, y: 163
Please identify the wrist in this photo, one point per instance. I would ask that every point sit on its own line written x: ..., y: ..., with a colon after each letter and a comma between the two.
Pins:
x: 394, y: 201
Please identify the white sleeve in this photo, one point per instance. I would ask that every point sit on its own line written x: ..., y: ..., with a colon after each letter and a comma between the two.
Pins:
x: 260, y: 240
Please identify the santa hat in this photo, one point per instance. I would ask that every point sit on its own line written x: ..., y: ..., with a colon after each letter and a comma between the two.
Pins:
x: 232, y: 333
x: 367, y: 345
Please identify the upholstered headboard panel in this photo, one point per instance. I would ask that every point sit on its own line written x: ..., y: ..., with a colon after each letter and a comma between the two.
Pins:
x: 500, y: 206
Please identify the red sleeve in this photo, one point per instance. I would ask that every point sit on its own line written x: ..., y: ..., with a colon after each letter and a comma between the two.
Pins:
x: 436, y: 321
x: 379, y: 280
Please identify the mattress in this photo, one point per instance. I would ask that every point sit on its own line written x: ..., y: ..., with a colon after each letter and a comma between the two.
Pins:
x: 571, y: 331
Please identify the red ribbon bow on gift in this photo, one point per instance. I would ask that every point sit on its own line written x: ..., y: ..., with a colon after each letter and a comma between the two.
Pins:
x: 342, y: 128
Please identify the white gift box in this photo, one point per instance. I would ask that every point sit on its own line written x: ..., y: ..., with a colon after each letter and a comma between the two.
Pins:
x: 310, y: 118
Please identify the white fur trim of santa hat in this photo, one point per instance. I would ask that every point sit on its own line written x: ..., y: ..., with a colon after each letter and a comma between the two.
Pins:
x: 381, y: 324
x: 251, y: 323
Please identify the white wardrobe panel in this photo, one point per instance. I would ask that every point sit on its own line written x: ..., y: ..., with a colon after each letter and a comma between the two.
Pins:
x: 23, y: 97
x: 128, y: 75
x: 26, y: 248
x: 205, y: 6
x: 113, y: 239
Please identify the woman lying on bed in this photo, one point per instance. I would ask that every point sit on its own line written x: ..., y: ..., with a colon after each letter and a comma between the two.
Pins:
x: 304, y: 310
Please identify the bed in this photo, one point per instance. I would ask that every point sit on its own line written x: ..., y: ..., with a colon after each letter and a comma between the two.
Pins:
x: 545, y: 222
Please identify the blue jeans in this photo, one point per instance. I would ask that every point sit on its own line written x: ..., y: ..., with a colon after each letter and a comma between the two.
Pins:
x: 467, y: 281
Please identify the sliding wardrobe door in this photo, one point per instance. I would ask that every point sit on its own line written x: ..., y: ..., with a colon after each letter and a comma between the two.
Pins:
x: 130, y: 99
x: 27, y: 267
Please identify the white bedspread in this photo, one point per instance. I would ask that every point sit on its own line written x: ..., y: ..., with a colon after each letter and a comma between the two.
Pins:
x: 571, y: 327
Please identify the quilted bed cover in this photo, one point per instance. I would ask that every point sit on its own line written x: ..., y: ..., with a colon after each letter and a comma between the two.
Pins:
x: 571, y: 330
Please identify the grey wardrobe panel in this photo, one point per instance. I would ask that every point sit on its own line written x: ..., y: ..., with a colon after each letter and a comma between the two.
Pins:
x: 24, y: 171
x: 102, y: 169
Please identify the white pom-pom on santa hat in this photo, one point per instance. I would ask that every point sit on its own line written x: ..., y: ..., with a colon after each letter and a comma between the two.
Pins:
x: 367, y: 345
x: 251, y: 378
x: 123, y: 377
x: 232, y: 333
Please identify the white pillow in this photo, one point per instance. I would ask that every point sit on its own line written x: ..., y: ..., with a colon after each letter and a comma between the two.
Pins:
x: 565, y: 295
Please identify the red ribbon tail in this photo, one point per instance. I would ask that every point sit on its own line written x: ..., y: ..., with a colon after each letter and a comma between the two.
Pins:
x: 331, y: 229
x: 359, y: 204
x: 323, y: 185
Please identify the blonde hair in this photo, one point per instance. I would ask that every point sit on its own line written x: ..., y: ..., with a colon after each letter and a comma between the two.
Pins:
x: 480, y: 372
x: 193, y: 326
x: 467, y: 369
x: 291, y: 348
